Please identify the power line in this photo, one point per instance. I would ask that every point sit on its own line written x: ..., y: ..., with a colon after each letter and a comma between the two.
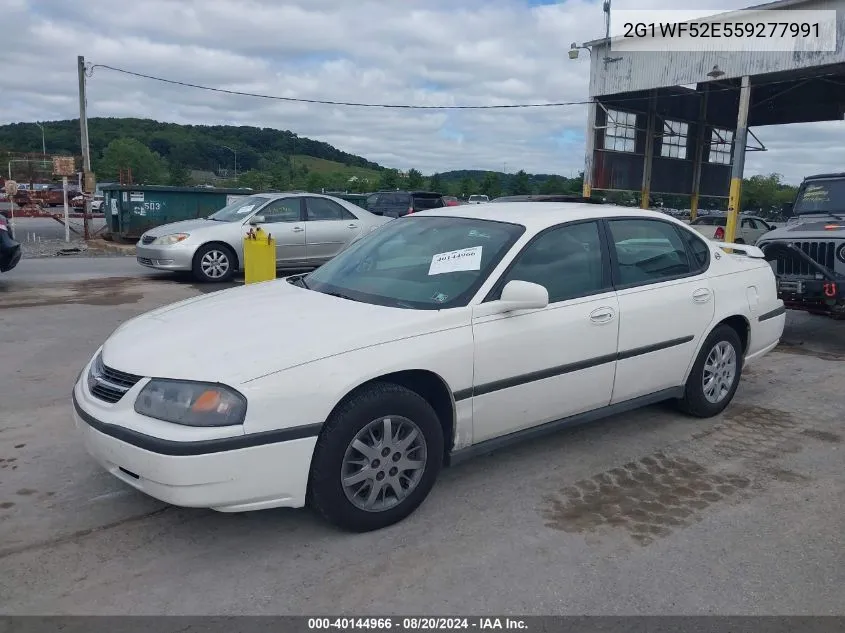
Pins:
x: 407, y: 106
x: 402, y: 106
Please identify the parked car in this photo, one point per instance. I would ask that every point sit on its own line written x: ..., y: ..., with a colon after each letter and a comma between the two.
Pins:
x: 396, y: 204
x: 749, y: 228
x: 442, y: 335
x: 451, y: 201
x: 309, y: 229
x: 78, y: 202
x: 477, y: 199
x: 808, y: 254
x: 10, y: 249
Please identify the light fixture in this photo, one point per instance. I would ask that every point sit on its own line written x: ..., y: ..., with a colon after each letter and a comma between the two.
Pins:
x: 716, y: 72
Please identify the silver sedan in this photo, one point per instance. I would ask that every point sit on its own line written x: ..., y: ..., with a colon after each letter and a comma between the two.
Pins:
x: 309, y: 230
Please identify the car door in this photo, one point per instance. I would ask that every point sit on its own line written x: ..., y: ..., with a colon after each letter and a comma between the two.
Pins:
x: 283, y: 221
x: 666, y: 303
x: 752, y: 229
x: 537, y: 366
x: 328, y: 229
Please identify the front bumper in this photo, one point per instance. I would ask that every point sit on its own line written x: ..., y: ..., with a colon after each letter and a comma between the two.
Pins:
x: 177, y: 257
x: 230, y: 474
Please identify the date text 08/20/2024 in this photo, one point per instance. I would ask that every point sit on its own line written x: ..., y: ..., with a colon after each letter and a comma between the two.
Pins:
x: 416, y: 624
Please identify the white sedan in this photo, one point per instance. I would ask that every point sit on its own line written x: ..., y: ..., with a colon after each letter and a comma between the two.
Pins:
x: 439, y: 336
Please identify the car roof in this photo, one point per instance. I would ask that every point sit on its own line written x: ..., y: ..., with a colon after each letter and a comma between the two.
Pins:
x: 539, y: 215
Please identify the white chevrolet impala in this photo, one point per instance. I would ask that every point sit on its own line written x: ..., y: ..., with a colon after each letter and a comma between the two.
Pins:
x: 439, y: 336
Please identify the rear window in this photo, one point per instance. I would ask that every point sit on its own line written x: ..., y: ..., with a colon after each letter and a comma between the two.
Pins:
x: 820, y: 196
x: 427, y: 202
x: 712, y: 222
x: 393, y: 200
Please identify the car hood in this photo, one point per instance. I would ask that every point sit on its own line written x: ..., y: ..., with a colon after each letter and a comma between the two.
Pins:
x: 233, y: 336
x: 809, y: 227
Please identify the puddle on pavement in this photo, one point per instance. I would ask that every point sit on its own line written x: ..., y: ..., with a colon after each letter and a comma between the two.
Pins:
x: 649, y: 498
x: 659, y: 494
x: 110, y: 291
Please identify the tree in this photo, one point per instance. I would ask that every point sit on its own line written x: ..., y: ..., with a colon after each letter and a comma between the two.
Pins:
x: 180, y: 176
x: 520, y: 184
x: 468, y: 186
x: 415, y: 179
x: 491, y: 186
x: 254, y: 179
x: 434, y: 183
x: 127, y: 153
x: 389, y: 179
x: 315, y: 182
x: 554, y: 185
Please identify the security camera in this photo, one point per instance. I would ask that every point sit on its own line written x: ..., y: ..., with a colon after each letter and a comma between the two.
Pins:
x: 573, y: 53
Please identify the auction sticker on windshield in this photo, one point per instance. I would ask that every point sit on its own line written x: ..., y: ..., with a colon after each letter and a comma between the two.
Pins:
x: 455, y: 261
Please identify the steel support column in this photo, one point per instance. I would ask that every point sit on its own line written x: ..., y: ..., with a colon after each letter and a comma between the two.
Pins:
x: 699, y: 154
x: 645, y: 192
x: 740, y: 138
x: 590, y: 143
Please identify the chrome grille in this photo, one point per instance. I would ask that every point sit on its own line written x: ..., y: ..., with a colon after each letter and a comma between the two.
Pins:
x: 109, y: 384
x: 148, y: 239
x: 823, y: 253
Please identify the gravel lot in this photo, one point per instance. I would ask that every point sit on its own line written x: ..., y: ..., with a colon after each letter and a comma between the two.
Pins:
x: 645, y: 513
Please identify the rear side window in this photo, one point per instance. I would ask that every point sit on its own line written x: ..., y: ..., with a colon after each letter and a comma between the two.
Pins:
x: 648, y: 251
x: 698, y: 251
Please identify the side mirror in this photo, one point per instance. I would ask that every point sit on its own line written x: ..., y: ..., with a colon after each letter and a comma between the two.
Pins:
x: 257, y: 219
x: 516, y: 295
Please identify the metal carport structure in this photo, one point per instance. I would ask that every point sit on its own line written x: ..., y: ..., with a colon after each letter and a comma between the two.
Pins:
x: 676, y: 122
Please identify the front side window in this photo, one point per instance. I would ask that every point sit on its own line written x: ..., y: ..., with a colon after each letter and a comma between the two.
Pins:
x: 282, y: 210
x: 648, y: 251
x: 566, y: 260
x: 418, y: 262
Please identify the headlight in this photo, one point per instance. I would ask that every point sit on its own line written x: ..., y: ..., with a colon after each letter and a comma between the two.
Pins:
x: 174, y: 238
x: 191, y: 403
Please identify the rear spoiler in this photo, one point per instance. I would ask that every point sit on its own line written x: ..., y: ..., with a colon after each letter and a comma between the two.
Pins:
x: 741, y: 249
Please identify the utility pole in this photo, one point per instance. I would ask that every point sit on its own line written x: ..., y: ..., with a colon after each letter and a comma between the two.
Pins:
x: 43, y: 142
x: 86, y: 151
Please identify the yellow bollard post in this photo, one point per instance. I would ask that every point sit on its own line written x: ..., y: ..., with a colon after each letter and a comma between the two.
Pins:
x: 259, y: 256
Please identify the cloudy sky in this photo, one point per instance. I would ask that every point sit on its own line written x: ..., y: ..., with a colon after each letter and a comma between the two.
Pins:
x: 434, y: 52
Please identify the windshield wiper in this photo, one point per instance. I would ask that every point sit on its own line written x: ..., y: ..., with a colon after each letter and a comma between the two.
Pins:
x: 340, y: 295
x: 300, y: 280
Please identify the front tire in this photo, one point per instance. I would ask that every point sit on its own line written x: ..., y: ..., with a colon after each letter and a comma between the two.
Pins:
x: 214, y: 263
x: 715, y: 375
x: 377, y: 458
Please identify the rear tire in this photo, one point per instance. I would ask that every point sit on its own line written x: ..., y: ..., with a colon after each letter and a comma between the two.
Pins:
x: 214, y: 263
x: 715, y: 375
x: 367, y: 473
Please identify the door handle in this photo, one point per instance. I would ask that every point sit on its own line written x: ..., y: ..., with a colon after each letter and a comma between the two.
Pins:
x: 298, y: 229
x: 702, y: 295
x: 353, y: 226
x: 602, y: 315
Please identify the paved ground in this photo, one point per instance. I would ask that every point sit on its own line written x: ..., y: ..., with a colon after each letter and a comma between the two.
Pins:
x: 645, y: 513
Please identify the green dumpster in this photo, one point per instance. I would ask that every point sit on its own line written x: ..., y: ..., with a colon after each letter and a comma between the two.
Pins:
x: 132, y: 209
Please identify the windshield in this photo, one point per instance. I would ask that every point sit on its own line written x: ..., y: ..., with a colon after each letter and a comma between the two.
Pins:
x: 424, y: 263
x: 238, y: 210
x: 478, y: 197
x: 821, y: 196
